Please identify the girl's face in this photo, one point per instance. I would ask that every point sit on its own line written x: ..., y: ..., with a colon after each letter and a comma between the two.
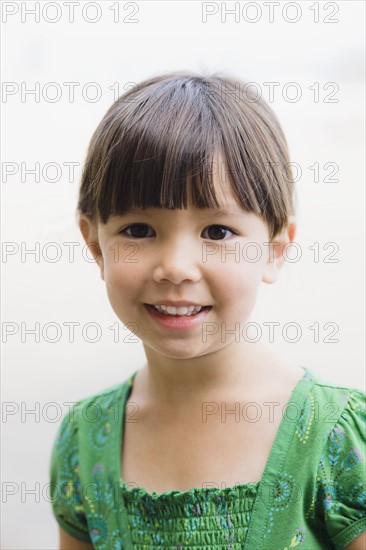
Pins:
x: 203, y: 257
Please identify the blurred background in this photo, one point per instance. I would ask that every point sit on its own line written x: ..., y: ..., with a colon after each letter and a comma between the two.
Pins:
x: 61, y: 71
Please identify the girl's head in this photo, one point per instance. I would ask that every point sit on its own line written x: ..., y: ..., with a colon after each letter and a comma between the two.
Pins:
x: 168, y: 157
x: 163, y: 140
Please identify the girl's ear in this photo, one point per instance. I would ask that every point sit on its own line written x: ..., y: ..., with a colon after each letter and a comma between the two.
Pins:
x: 89, y: 231
x: 277, y: 253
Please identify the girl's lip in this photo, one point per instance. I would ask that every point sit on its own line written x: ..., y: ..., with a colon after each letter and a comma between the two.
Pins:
x: 176, y: 321
x: 176, y: 304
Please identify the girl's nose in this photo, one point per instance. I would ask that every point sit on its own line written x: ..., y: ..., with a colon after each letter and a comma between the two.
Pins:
x: 176, y: 264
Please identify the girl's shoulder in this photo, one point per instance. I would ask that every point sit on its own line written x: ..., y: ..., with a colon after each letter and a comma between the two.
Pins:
x: 324, y: 389
x: 100, y: 402
x: 319, y: 467
x: 321, y: 380
x: 336, y: 429
x: 330, y: 406
x: 80, y: 454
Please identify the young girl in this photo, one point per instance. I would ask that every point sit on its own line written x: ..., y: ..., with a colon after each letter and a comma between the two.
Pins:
x: 186, y: 203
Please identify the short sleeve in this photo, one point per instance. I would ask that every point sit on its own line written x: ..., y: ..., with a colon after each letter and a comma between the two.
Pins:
x: 341, y: 483
x: 65, y: 487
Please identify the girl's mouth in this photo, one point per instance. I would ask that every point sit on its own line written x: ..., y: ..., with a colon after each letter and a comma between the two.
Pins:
x: 178, y: 321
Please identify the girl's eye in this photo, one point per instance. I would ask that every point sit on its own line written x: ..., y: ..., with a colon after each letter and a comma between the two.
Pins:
x: 138, y: 228
x: 217, y: 232
x: 138, y: 231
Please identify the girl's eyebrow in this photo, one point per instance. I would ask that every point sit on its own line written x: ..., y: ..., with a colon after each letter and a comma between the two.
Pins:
x: 230, y: 212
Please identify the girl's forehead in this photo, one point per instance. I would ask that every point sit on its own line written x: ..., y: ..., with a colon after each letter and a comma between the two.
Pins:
x: 227, y: 202
x: 226, y: 198
x: 222, y: 187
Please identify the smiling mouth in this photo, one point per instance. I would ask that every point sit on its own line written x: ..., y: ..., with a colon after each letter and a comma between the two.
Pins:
x: 185, y: 311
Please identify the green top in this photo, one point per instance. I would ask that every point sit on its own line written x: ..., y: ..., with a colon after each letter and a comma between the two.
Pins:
x: 311, y: 496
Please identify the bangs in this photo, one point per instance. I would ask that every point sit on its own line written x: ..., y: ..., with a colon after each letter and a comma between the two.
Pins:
x: 159, y: 145
x: 166, y: 144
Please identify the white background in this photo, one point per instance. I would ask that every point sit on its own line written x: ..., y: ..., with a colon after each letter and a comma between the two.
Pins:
x: 169, y: 36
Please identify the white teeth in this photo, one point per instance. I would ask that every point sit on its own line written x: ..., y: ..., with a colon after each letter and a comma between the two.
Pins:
x: 170, y: 310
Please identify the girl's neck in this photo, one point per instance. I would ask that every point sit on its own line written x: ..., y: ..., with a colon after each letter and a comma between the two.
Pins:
x: 245, y: 372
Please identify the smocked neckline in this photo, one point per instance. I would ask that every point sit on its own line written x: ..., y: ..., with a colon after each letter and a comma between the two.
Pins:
x: 247, y: 490
x: 195, y: 494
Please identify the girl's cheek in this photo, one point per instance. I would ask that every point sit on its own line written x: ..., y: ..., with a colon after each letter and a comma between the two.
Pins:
x: 126, y: 268
x: 239, y: 267
x: 119, y: 273
x: 117, y: 252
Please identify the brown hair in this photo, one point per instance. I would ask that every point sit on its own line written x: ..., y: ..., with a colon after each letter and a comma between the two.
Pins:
x: 168, y: 130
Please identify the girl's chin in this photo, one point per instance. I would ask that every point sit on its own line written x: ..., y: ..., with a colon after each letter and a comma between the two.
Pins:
x: 176, y: 348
